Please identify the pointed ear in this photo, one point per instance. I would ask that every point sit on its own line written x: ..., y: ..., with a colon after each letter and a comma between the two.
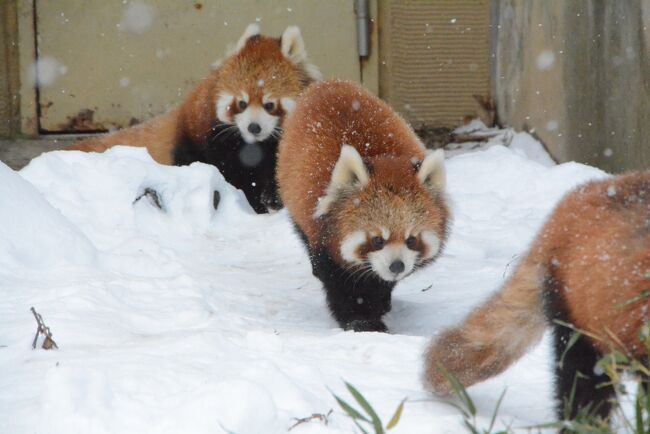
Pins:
x: 293, y: 47
x: 349, y: 172
x: 252, y: 29
x: 432, y: 170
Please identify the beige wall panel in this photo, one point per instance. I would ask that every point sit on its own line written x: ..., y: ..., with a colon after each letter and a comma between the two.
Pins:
x: 434, y: 58
x: 109, y: 71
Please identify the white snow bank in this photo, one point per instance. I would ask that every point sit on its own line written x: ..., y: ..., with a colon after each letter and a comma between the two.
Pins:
x: 98, y: 192
x: 209, y: 321
x: 33, y: 234
x: 522, y: 143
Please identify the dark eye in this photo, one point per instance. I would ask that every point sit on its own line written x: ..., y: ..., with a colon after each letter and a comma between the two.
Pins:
x: 377, y: 242
x: 242, y: 105
x: 411, y: 242
x: 269, y: 106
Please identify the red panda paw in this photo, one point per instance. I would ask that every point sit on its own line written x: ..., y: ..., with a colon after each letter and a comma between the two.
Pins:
x: 360, y: 325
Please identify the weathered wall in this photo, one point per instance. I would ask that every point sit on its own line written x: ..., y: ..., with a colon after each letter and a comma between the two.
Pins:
x: 577, y: 73
x: 434, y: 56
x: 9, y: 98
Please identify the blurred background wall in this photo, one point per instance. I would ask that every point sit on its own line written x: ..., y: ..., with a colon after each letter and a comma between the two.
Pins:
x: 575, y: 73
x: 578, y: 74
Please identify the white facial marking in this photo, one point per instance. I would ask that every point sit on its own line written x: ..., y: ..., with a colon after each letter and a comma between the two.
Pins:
x: 381, y: 260
x: 256, y: 115
x: 351, y: 244
x: 267, y: 98
x: 223, y: 107
x: 432, y: 242
x: 385, y: 233
x: 288, y: 104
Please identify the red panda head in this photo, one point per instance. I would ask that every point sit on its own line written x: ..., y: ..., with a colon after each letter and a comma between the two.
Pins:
x: 386, y: 214
x: 260, y: 81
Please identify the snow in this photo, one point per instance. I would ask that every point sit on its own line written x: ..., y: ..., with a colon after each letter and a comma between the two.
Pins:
x: 45, y: 71
x: 545, y: 60
x: 137, y: 17
x: 203, y: 320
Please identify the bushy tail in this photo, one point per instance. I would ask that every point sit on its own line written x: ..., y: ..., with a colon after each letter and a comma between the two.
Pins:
x: 494, y: 335
x: 89, y: 145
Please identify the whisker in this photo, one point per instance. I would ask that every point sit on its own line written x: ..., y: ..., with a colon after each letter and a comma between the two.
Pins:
x: 220, y: 130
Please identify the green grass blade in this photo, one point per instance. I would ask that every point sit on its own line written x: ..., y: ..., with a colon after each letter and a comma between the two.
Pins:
x: 376, y: 422
x: 459, y: 390
x: 572, y: 341
x: 496, y: 410
x: 398, y: 414
x: 351, y: 411
x: 471, y: 427
x: 360, y: 427
x: 644, y: 294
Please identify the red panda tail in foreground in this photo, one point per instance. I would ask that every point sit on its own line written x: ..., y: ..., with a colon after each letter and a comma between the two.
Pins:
x: 588, y: 267
x: 365, y: 196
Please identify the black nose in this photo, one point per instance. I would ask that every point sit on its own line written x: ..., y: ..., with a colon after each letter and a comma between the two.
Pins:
x: 254, y: 128
x: 396, y: 267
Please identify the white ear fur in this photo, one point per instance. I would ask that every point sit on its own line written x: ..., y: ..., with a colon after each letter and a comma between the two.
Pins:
x: 432, y: 170
x: 312, y: 71
x: 349, y: 171
x: 293, y: 46
x: 252, y: 29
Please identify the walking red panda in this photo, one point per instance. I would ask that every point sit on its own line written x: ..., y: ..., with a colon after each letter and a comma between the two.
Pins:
x: 364, y: 195
x: 589, y: 266
x: 233, y: 118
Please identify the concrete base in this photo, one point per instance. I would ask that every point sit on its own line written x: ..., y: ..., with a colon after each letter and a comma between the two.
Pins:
x: 17, y: 153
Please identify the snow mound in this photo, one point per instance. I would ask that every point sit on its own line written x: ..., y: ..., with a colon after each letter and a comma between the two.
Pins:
x: 99, y: 191
x: 33, y: 234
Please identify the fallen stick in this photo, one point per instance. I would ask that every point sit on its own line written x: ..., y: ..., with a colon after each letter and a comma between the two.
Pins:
x: 44, y: 330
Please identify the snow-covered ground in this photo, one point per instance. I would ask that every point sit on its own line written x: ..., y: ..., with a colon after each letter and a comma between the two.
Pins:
x: 196, y: 320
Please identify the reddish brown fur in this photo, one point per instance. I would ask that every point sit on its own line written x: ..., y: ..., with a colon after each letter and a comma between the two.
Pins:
x: 334, y: 113
x: 260, y: 58
x: 596, y: 247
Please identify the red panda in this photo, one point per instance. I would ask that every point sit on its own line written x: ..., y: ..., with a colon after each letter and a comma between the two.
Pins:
x: 233, y: 118
x: 365, y: 197
x: 589, y: 267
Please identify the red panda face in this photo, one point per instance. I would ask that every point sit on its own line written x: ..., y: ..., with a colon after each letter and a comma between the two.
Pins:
x: 257, y: 115
x: 260, y: 82
x: 392, y: 256
x: 389, y: 215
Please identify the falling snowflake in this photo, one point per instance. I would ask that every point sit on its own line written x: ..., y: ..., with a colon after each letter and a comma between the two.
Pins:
x: 545, y: 60
x: 46, y: 71
x: 137, y: 17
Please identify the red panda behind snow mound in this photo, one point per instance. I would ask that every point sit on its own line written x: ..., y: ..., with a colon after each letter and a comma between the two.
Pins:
x: 589, y: 266
x: 232, y: 118
x: 366, y: 198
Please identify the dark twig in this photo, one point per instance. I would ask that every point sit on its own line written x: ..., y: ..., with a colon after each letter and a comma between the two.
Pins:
x: 427, y: 288
x: 154, y: 198
x: 316, y: 416
x: 44, y: 330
